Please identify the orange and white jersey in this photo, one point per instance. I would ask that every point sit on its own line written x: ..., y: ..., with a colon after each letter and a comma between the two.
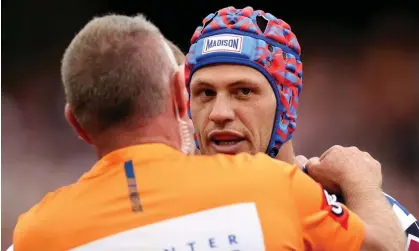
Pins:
x: 152, y: 197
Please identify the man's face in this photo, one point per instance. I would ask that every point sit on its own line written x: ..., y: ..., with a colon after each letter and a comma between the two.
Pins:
x: 233, y: 109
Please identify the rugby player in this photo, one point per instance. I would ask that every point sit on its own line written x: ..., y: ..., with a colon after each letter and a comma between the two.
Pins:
x: 125, y: 97
x: 244, y: 76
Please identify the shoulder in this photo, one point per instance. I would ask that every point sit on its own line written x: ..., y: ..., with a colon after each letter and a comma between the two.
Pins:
x: 32, y: 214
x: 35, y: 226
x: 259, y: 168
x: 258, y: 162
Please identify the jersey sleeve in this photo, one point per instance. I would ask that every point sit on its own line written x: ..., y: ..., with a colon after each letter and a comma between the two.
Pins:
x: 327, y: 224
x: 408, y: 221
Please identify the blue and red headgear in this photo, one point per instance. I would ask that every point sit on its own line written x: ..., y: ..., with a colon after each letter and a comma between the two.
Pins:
x: 259, y: 40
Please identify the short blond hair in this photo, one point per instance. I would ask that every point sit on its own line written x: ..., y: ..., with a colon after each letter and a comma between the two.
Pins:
x: 114, y: 69
x: 179, y: 56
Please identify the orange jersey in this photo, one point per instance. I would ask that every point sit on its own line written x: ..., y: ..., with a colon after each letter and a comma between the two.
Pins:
x: 152, y: 197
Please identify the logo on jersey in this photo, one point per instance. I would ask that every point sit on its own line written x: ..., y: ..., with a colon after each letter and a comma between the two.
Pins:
x: 229, y: 241
x: 223, y: 43
x: 335, y: 209
x: 412, y: 243
x: 234, y: 227
x: 132, y: 187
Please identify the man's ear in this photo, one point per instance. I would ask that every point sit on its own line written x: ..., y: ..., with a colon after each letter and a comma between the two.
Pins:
x: 179, y: 90
x: 71, y: 119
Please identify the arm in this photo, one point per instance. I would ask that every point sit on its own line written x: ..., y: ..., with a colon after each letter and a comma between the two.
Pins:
x: 329, y: 225
x: 409, y: 223
x: 384, y: 231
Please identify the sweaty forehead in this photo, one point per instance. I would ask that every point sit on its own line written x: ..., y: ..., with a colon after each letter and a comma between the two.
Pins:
x: 223, y: 75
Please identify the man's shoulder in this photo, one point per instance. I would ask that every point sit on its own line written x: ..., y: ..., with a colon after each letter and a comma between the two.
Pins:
x: 257, y: 162
x: 39, y: 221
x: 260, y: 167
x: 43, y: 206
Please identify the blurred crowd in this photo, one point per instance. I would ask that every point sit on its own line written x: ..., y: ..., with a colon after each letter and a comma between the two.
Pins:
x: 359, y: 89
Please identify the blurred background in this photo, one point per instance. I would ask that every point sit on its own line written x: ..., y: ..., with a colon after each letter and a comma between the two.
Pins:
x: 361, y: 86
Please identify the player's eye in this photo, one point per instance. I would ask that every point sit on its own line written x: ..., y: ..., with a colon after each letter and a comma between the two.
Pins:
x: 209, y: 92
x: 245, y: 91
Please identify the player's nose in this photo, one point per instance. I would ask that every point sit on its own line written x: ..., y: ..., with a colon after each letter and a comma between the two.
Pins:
x: 222, y: 110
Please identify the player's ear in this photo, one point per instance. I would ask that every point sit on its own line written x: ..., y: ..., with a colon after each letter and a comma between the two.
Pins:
x: 179, y: 89
x: 71, y: 119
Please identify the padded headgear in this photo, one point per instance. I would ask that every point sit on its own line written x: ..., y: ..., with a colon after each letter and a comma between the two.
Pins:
x: 259, y: 40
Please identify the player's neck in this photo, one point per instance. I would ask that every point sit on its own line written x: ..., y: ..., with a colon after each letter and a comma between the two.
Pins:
x: 162, y: 130
x: 286, y: 153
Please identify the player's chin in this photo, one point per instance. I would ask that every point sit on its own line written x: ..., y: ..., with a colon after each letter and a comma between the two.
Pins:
x: 230, y: 148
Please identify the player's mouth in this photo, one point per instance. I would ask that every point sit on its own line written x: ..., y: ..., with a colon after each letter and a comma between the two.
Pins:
x: 227, y: 142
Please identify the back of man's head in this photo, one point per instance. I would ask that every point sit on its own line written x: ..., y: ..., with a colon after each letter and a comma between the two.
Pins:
x: 116, y: 72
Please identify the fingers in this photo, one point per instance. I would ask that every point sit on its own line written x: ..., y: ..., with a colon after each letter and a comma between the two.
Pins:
x: 312, y: 166
x: 346, y: 168
x: 327, y: 152
x: 315, y: 161
x: 335, y: 148
x: 301, y: 160
x: 317, y: 172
